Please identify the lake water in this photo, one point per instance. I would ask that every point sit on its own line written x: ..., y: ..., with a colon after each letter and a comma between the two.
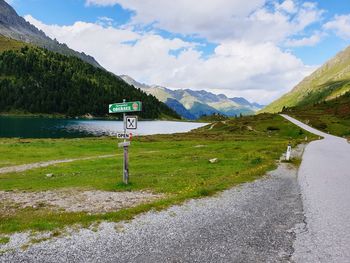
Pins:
x: 25, y: 127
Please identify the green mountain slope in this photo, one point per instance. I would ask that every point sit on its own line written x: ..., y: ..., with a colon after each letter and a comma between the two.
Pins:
x: 40, y: 81
x: 326, y: 83
x: 10, y: 44
x: 16, y: 27
x: 331, y: 116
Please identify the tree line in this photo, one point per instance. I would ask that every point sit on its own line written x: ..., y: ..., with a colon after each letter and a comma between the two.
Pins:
x: 40, y: 81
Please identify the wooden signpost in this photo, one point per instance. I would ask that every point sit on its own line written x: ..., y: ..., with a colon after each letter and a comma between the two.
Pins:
x: 130, y: 122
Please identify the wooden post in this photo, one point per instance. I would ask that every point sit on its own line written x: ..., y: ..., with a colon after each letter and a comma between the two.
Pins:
x: 126, y: 165
x: 126, y: 154
x: 124, y: 107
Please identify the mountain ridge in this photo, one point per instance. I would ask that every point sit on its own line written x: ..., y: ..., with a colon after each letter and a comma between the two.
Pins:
x: 329, y: 81
x: 16, y: 27
x: 196, y: 103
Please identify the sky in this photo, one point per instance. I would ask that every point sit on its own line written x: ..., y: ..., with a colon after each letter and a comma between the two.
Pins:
x: 257, y: 49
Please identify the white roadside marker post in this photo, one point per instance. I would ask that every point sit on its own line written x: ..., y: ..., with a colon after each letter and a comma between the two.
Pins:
x: 289, y: 151
x: 123, y: 108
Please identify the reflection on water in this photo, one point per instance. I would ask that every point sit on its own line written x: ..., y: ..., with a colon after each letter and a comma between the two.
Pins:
x: 62, y: 128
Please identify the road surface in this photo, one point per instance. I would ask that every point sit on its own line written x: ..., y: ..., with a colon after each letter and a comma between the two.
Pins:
x: 324, y: 177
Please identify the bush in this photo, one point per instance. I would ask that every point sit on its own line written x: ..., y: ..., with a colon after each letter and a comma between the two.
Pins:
x: 272, y: 128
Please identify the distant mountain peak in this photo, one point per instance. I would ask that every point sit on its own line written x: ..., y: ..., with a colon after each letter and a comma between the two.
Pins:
x: 195, y: 103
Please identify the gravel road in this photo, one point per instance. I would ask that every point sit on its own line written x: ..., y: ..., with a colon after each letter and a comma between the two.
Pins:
x: 324, y: 177
x: 254, y: 222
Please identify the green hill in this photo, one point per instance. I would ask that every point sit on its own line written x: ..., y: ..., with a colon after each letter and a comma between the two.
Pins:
x: 36, y: 80
x: 331, y: 116
x: 326, y: 83
x: 10, y: 44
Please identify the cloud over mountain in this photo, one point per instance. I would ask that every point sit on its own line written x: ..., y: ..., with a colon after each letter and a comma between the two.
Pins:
x: 248, y: 57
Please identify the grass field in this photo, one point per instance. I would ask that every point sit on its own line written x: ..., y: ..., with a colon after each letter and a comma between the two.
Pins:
x: 329, y: 116
x: 10, y: 44
x: 175, y: 165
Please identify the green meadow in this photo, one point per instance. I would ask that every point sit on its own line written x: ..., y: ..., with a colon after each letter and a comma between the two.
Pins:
x: 175, y: 165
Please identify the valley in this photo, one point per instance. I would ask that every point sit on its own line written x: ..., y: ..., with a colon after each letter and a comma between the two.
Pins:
x: 202, y: 174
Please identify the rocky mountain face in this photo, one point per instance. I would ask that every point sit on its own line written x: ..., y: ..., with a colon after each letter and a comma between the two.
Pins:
x: 16, y: 27
x: 328, y: 82
x: 192, y: 104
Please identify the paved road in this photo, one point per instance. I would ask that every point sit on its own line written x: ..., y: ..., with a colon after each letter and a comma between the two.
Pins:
x: 250, y: 223
x: 324, y: 177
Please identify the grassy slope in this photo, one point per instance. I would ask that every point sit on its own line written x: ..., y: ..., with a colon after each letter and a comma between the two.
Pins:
x: 10, y: 44
x: 171, y: 164
x: 328, y: 82
x: 330, y: 116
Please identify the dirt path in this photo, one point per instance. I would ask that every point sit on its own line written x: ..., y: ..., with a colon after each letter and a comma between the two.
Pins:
x: 25, y: 167
x: 74, y: 200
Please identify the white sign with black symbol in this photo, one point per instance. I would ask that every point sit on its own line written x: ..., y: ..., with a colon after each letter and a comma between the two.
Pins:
x: 131, y: 122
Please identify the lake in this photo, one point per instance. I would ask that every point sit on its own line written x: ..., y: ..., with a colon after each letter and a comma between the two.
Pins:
x: 31, y: 127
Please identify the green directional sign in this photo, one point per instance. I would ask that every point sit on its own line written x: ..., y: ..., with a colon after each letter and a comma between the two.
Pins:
x: 125, y: 107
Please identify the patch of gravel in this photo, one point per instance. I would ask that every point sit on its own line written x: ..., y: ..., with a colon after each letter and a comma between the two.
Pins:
x: 25, y: 167
x: 74, y: 200
x: 255, y: 222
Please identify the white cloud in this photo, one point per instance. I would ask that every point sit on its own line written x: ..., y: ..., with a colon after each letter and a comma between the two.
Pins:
x: 340, y: 25
x: 287, y: 6
x: 223, y: 20
x: 259, y: 71
x: 305, y: 41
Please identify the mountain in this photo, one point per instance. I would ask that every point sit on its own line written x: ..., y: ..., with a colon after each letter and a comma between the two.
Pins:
x: 16, y: 27
x: 179, y: 108
x: 244, y: 102
x: 192, y: 104
x: 328, y: 82
x: 37, y: 80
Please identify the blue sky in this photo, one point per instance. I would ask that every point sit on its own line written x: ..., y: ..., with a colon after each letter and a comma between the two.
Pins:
x: 259, y: 49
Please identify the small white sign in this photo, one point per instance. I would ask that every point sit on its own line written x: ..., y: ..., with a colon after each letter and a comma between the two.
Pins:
x: 123, y: 135
x: 131, y: 122
x: 124, y: 144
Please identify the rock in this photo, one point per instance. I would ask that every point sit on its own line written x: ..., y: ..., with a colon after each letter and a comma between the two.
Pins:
x: 49, y: 175
x: 214, y: 160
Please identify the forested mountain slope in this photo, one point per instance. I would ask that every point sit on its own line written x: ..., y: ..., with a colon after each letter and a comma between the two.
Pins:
x: 16, y: 27
x: 40, y: 81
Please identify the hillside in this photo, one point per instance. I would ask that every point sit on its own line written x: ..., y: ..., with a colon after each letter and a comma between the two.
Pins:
x: 326, y: 83
x: 36, y: 80
x: 331, y: 116
x: 192, y: 104
x: 16, y: 27
x: 10, y: 44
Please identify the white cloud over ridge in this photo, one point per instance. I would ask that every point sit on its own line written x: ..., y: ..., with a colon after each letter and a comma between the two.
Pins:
x: 248, y: 59
x: 258, y: 71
